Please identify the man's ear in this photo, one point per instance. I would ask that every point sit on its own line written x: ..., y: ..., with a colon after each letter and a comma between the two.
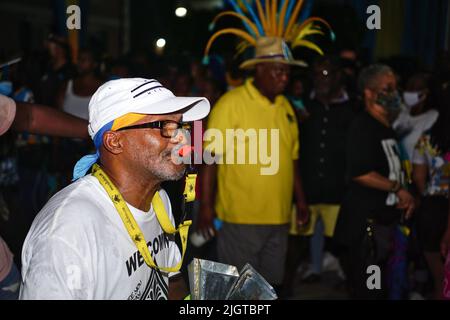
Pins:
x: 113, y: 142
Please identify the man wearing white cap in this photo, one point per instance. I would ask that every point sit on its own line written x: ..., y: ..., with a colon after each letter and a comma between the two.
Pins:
x: 108, y: 235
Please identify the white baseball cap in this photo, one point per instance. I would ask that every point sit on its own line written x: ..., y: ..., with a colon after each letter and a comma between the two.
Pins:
x: 7, y: 113
x: 118, y: 97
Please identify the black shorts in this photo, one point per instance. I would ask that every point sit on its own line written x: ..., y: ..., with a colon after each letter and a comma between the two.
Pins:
x: 432, y: 222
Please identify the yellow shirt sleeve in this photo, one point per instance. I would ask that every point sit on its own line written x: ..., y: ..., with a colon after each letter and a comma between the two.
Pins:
x: 221, y: 118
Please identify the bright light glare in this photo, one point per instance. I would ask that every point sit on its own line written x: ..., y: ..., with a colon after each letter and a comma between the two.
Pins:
x: 181, y: 12
x: 161, y: 43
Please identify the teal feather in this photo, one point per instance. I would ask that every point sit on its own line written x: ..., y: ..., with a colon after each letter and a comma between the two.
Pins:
x: 281, y: 6
x: 254, y: 17
x: 205, y: 60
x: 333, y: 36
x: 238, y: 10
x: 288, y: 12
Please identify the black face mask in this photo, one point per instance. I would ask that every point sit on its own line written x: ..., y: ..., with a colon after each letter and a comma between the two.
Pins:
x: 391, y: 102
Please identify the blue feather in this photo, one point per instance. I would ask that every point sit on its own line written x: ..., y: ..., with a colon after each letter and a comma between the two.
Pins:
x: 281, y: 6
x: 254, y: 17
x: 288, y: 12
x: 238, y: 10
x: 306, y: 11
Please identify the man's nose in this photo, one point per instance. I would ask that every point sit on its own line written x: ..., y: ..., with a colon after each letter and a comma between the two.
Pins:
x: 181, y: 136
x: 284, y: 77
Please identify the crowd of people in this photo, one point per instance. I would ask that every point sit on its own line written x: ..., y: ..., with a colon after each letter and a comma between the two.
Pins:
x: 364, y: 171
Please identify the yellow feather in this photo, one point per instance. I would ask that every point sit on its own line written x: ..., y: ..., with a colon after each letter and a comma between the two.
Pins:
x: 261, y: 15
x: 269, y: 22
x: 240, y: 16
x: 242, y: 5
x: 281, y: 18
x: 241, y: 47
x: 308, y: 22
x: 293, y: 17
x: 313, y: 19
x: 274, y: 17
x: 234, y: 31
x: 310, y: 32
x: 308, y: 44
x: 299, y: 33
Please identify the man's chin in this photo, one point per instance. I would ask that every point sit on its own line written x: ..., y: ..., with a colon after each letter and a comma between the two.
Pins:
x: 177, y: 173
x: 169, y: 176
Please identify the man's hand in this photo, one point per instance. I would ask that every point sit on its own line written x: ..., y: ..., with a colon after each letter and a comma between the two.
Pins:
x: 302, y: 214
x: 406, y: 202
x: 445, y: 243
x: 206, y: 221
x: 208, y: 175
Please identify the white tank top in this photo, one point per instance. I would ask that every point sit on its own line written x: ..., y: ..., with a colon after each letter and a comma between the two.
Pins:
x: 74, y: 104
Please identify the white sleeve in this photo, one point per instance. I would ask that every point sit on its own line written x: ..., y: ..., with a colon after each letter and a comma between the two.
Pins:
x: 56, y: 271
x: 430, y: 118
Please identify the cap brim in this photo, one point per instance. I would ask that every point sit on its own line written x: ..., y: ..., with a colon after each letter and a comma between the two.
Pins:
x: 249, y: 64
x: 193, y: 108
x: 7, y: 113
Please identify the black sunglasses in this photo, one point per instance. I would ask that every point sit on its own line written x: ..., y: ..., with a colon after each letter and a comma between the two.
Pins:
x: 168, y: 128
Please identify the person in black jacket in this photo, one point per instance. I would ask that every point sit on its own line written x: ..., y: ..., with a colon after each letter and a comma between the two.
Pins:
x: 322, y: 154
x: 376, y: 190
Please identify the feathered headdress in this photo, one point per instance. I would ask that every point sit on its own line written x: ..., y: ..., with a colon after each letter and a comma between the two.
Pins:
x: 270, y: 30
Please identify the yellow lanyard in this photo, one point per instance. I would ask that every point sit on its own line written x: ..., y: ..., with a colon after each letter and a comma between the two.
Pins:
x: 158, y: 206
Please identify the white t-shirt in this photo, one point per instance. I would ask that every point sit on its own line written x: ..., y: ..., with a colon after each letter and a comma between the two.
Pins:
x: 74, y: 104
x: 79, y: 248
x: 412, y: 127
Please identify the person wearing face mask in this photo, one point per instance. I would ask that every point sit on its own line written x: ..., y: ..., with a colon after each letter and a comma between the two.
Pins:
x: 417, y: 115
x: 375, y: 199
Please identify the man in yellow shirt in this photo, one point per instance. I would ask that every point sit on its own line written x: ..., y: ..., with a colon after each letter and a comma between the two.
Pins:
x: 251, y: 176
